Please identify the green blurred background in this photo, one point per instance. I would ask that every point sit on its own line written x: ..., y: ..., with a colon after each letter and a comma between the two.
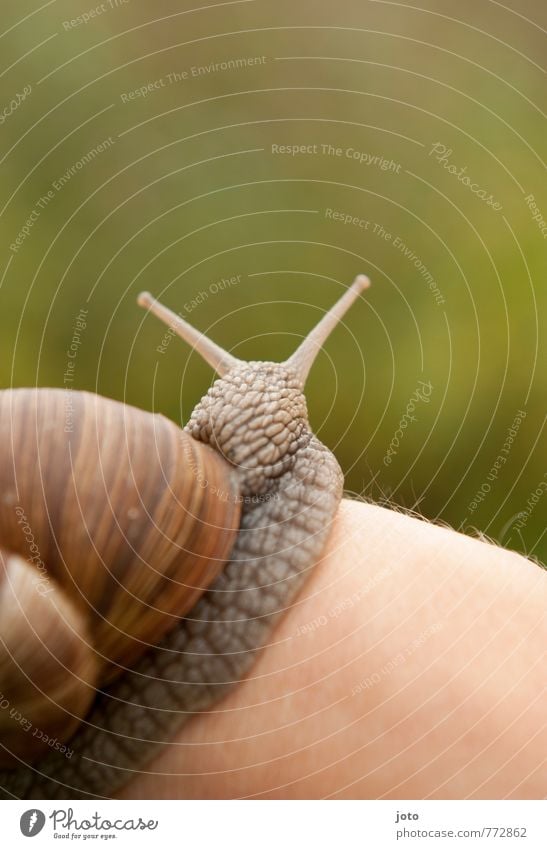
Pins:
x: 189, y: 191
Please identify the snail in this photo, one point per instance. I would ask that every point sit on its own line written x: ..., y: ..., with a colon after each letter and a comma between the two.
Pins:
x: 143, y: 566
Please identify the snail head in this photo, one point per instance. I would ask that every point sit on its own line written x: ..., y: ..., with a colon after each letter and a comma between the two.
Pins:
x: 255, y: 414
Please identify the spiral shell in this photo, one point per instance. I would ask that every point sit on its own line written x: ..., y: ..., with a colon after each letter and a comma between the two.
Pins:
x: 113, y: 522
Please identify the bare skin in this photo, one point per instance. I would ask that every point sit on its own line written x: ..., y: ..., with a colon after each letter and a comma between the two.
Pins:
x: 409, y: 667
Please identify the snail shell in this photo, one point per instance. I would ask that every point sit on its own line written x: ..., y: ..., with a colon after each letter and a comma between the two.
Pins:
x: 113, y: 522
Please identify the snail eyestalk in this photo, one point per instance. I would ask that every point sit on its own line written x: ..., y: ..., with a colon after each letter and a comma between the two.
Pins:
x: 223, y: 362
x: 302, y: 359
x: 217, y: 357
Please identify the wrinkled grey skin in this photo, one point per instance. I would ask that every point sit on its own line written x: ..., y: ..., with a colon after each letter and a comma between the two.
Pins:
x: 256, y: 417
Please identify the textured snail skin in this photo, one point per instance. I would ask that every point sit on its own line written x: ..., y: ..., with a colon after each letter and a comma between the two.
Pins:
x: 291, y: 484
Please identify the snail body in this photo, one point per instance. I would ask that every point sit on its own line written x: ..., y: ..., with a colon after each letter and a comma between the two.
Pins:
x: 231, y: 557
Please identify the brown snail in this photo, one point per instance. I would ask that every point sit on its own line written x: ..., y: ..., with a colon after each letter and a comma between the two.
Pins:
x: 143, y: 566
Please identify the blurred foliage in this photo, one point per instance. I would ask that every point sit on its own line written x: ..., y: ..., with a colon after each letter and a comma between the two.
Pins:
x: 189, y: 192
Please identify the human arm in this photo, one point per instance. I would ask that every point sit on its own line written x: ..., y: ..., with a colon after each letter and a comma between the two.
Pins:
x: 410, y: 667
